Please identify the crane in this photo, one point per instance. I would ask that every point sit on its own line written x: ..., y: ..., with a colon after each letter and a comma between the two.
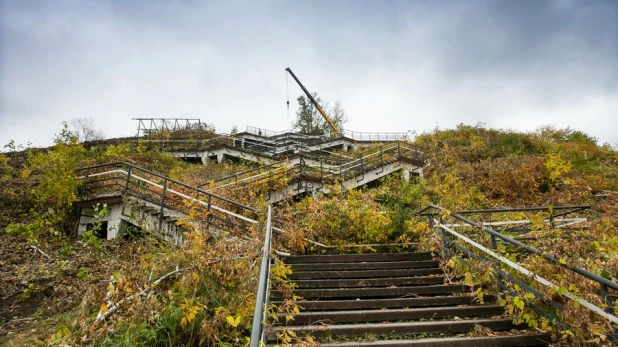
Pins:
x: 330, y: 123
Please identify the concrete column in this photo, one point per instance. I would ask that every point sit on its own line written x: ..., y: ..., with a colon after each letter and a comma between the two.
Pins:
x: 220, y: 158
x: 83, y: 223
x: 419, y: 172
x: 406, y: 174
x: 205, y: 158
x: 113, y: 228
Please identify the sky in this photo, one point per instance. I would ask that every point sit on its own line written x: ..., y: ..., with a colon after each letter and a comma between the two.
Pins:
x: 395, y: 66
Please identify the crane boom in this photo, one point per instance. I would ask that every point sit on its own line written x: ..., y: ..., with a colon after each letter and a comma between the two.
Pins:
x: 330, y: 123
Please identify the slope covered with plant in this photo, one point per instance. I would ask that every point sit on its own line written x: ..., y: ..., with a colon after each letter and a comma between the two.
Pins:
x: 60, y: 285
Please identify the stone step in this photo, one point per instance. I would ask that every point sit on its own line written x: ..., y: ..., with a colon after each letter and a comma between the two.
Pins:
x: 384, y: 315
x: 365, y: 265
x: 428, y: 327
x: 377, y: 292
x: 369, y: 282
x: 347, y: 258
x: 389, y: 303
x: 349, y: 274
x: 465, y: 341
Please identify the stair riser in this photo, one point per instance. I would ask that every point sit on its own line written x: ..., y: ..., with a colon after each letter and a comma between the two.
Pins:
x: 376, y: 292
x: 303, y: 275
x: 365, y: 266
x: 395, y: 315
x: 348, y: 258
x: 389, y: 303
x: 360, y: 330
x: 493, y: 341
x: 370, y: 282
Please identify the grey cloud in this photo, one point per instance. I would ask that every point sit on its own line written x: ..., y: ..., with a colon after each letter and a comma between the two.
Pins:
x: 395, y: 65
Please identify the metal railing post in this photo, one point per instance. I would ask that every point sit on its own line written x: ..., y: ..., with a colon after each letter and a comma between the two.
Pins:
x: 162, y: 203
x: 209, y: 211
x: 607, y: 299
x: 442, y: 235
x: 126, y: 186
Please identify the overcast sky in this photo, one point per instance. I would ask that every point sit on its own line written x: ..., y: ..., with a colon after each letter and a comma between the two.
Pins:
x: 395, y: 66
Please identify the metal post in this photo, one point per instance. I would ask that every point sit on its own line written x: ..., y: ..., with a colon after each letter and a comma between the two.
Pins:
x: 162, y: 203
x: 209, y: 212
x: 442, y: 236
x: 139, y: 125
x: 126, y: 186
x: 607, y: 299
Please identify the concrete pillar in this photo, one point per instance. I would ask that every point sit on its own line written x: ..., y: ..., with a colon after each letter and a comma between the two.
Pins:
x: 220, y: 158
x: 205, y: 158
x: 82, y: 227
x: 406, y: 174
x: 113, y: 228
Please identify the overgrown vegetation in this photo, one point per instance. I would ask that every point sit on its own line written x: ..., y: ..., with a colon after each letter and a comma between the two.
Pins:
x: 202, y: 293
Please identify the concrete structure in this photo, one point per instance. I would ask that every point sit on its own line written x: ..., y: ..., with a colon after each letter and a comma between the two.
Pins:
x: 131, y: 211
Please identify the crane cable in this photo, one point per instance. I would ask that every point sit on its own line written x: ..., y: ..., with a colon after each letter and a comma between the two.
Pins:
x: 287, y: 93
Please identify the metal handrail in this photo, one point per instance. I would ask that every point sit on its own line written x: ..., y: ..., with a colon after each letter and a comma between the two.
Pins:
x: 375, y: 156
x: 170, y: 194
x: 604, y: 283
x: 218, y: 197
x: 261, y: 300
x: 533, y: 250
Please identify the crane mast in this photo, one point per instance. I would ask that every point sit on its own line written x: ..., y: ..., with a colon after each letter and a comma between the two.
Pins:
x: 330, y: 123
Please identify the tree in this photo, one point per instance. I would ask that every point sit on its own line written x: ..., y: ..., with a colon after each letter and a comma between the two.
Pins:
x: 310, y: 121
x: 83, y: 129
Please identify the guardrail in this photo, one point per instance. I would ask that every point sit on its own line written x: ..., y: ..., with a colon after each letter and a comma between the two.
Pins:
x: 261, y: 300
x: 355, y: 135
x: 125, y: 179
x: 463, y: 246
x: 325, y: 172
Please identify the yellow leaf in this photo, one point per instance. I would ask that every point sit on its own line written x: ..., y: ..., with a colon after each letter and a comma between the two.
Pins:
x: 562, y: 261
x: 233, y: 321
x: 103, y: 308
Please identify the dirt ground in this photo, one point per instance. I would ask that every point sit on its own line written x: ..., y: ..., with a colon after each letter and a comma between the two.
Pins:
x: 43, y: 286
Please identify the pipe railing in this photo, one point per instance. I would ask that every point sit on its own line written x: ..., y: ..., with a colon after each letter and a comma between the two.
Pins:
x: 451, y: 247
x: 261, y: 300
x: 376, y: 157
x: 126, y: 179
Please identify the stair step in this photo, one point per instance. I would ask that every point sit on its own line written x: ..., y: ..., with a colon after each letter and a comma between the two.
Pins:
x: 370, y: 282
x: 466, y: 341
x: 349, y: 274
x: 343, y: 258
x: 359, y: 330
x: 331, y: 317
x: 377, y: 292
x: 365, y: 265
x: 389, y: 303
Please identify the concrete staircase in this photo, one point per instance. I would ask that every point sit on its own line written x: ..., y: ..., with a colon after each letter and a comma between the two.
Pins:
x: 391, y: 299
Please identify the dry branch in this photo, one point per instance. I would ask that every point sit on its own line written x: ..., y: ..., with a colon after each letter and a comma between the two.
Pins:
x: 101, y: 316
x: 35, y: 249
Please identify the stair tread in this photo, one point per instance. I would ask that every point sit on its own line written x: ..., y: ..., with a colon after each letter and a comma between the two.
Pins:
x: 374, y: 257
x: 408, y: 264
x: 358, y: 274
x: 401, y: 314
x: 379, y: 291
x: 417, y: 327
x: 390, y: 302
x: 463, y: 341
x: 418, y: 309
x: 369, y: 282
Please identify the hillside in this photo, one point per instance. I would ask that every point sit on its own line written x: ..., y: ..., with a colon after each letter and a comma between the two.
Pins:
x: 56, y: 285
